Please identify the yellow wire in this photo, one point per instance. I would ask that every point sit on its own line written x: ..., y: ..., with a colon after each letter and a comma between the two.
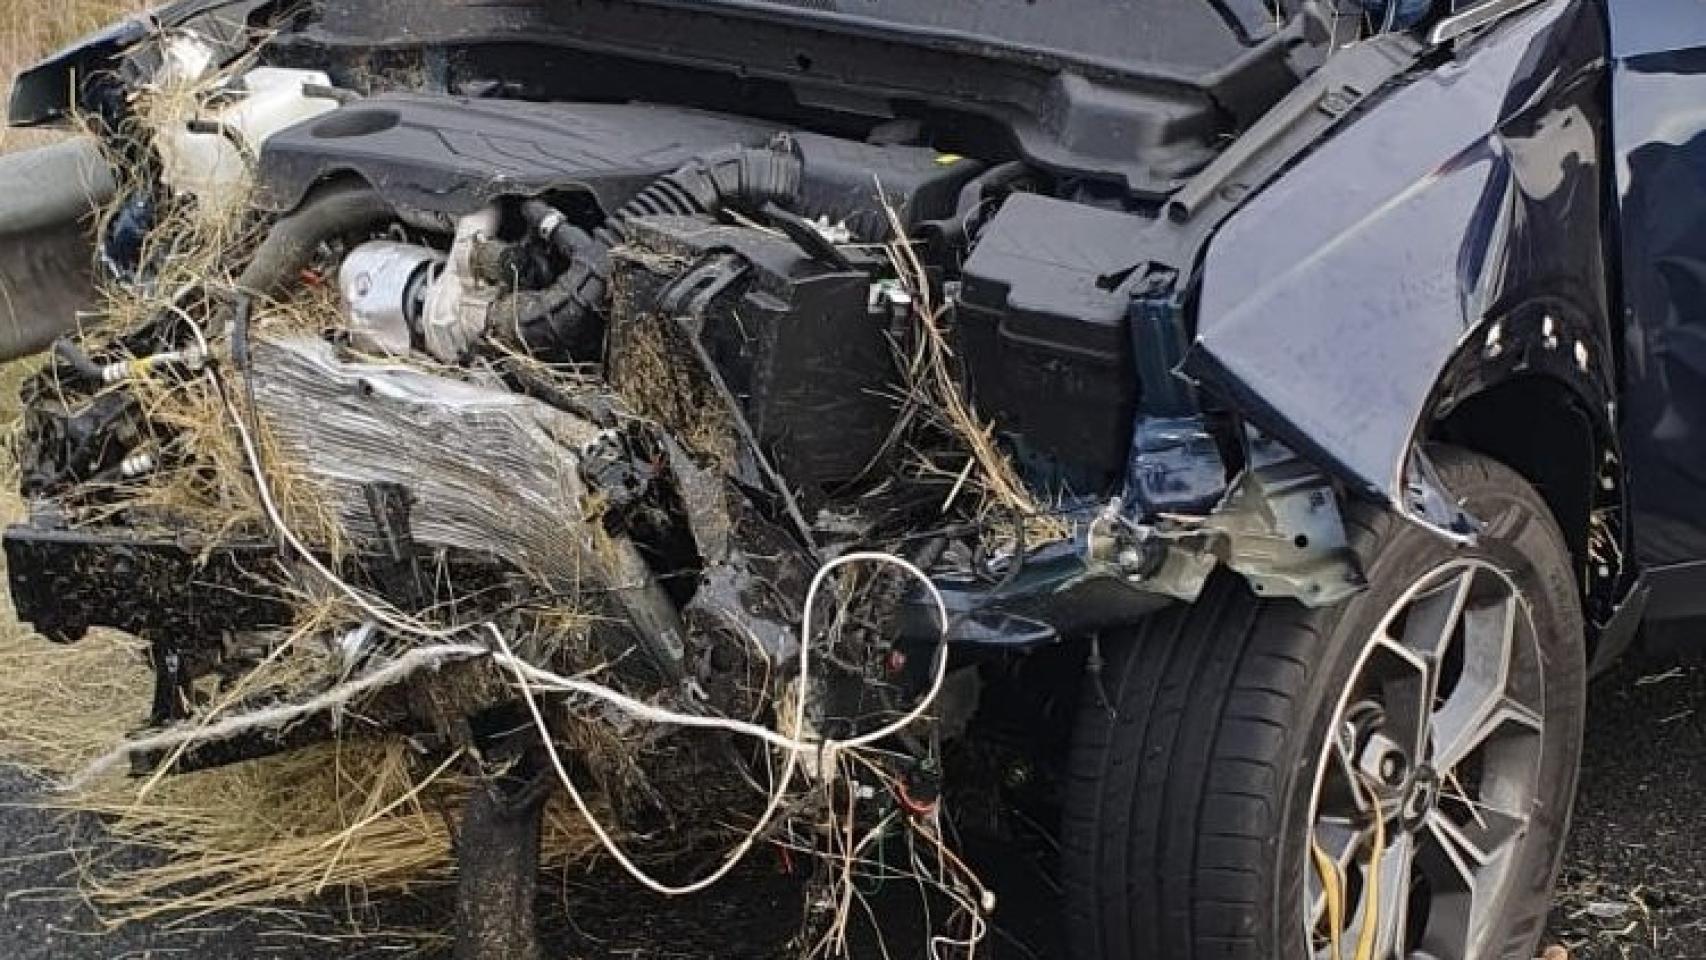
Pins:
x: 1332, y: 887
x: 1371, y: 917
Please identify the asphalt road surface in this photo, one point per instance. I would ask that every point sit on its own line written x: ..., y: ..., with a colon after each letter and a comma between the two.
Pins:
x: 1634, y: 887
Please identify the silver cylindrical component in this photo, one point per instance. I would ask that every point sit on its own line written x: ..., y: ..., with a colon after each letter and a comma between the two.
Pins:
x: 459, y: 306
x: 384, y: 284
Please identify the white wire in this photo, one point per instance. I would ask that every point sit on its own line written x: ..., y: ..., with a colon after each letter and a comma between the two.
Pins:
x: 421, y: 658
x: 524, y: 671
x: 794, y: 747
x: 778, y: 795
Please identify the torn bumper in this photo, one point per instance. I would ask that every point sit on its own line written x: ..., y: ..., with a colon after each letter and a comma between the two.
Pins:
x: 64, y: 582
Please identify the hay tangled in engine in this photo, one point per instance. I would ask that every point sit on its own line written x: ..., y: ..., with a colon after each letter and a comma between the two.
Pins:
x: 373, y: 815
x: 1010, y: 511
x: 198, y: 243
x: 355, y: 817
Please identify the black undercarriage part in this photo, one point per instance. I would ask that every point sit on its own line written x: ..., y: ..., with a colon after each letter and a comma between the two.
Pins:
x: 63, y: 582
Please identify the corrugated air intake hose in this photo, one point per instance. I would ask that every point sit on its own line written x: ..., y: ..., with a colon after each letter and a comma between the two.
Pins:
x: 565, y: 317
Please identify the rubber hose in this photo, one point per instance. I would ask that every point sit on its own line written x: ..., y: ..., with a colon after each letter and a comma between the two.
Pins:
x: 569, y: 239
x: 951, y: 233
x: 330, y: 211
x: 78, y: 361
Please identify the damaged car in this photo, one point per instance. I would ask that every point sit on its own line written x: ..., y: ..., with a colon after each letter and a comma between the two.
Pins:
x: 1200, y: 446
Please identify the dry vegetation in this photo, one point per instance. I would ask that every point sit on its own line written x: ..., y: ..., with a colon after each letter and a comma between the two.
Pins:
x: 350, y: 817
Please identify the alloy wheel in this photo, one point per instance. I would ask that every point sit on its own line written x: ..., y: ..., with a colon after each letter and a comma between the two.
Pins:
x: 1423, y: 790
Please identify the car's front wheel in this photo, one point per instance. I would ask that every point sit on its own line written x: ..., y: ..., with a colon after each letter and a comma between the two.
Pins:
x: 1393, y: 775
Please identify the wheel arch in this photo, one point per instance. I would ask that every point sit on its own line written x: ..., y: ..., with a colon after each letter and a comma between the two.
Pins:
x: 1534, y: 390
x: 1536, y: 426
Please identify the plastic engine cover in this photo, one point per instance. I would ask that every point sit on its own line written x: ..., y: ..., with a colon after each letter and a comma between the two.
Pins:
x: 452, y: 155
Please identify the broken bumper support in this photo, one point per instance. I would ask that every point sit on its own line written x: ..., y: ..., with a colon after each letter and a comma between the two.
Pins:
x: 66, y: 581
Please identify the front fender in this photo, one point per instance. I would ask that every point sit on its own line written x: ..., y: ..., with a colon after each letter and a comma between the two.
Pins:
x: 1337, y: 303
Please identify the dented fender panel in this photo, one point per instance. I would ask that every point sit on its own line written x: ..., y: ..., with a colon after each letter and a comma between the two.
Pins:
x: 1462, y: 194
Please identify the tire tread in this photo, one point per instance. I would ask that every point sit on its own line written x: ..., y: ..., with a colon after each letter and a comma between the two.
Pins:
x: 1175, y: 792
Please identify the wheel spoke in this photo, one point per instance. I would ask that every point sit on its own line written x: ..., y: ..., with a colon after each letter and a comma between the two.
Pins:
x: 1396, y: 864
x: 1432, y: 619
x: 1475, y: 704
x: 1462, y: 876
x: 1338, y: 798
x: 1428, y: 627
x: 1485, y: 833
x: 1406, y: 682
x: 1455, y: 738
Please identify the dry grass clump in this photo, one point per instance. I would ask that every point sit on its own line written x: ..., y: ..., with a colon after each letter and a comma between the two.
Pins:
x: 61, y: 706
x: 314, y: 308
x: 200, y: 241
x: 658, y: 377
x: 355, y: 818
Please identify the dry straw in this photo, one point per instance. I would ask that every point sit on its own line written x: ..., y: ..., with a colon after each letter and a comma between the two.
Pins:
x: 353, y: 817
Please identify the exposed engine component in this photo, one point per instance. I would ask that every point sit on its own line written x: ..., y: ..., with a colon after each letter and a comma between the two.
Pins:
x: 1043, y: 312
x: 841, y: 180
x: 384, y: 284
x: 562, y: 318
x: 459, y: 304
x: 391, y: 291
x: 210, y: 154
x: 790, y: 339
x: 449, y: 156
x: 449, y: 446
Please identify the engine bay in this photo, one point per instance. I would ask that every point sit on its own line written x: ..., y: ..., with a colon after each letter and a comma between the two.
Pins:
x: 798, y: 466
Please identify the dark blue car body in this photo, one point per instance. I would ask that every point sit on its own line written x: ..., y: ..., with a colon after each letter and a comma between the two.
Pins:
x: 1507, y: 251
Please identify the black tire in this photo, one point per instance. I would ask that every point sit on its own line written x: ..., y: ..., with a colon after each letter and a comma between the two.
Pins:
x: 1186, y: 829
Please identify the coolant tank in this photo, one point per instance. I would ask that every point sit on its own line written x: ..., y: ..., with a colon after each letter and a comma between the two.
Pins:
x: 208, y: 163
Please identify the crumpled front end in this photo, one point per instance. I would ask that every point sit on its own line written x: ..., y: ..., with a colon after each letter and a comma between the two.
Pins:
x: 758, y: 482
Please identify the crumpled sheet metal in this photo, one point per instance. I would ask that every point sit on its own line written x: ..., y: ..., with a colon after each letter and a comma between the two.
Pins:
x: 490, y: 471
